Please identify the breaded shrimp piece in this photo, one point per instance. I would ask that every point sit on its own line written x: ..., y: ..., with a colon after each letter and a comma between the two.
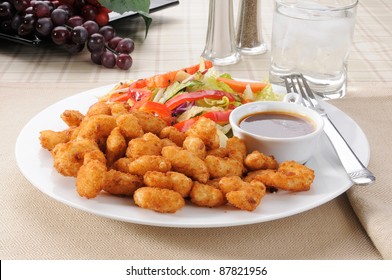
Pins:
x: 90, y: 178
x: 252, y: 174
x: 94, y: 155
x: 222, y: 167
x: 170, y: 180
x: 116, y: 146
x: 129, y: 126
x: 290, y: 176
x: 122, y: 164
x: 257, y: 160
x: 159, y: 200
x: 49, y: 138
x: 119, y: 183
x: 72, y: 117
x: 96, y: 127
x: 206, y: 195
x: 98, y: 108
x: 185, y: 162
x: 173, y: 134
x: 117, y: 108
x: 149, y: 122
x: 230, y: 183
x: 167, y: 142
x: 149, y: 163
x: 196, y: 146
x: 68, y: 157
x: 248, y: 197
x: 206, y: 130
x: 148, y: 144
x: 219, y: 152
x: 73, y: 132
x: 236, y: 148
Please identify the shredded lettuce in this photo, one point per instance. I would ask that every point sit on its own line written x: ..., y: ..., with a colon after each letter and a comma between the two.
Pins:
x: 209, y: 82
x: 196, y: 111
x: 176, y: 88
x: 268, y: 94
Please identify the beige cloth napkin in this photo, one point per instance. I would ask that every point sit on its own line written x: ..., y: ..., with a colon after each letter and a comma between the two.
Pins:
x: 373, y: 204
x: 34, y: 226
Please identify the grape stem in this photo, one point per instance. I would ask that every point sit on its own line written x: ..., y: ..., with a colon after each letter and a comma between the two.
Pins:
x: 111, y: 50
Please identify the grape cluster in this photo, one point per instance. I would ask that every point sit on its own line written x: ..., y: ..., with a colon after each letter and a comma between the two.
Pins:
x: 72, y: 24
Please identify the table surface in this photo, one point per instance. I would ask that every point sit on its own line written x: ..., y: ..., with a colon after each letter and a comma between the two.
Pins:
x: 355, y: 225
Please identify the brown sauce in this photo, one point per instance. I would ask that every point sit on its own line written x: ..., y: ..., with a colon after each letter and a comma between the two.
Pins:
x: 277, y: 124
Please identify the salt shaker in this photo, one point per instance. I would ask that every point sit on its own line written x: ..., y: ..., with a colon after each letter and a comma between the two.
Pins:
x: 249, y: 37
x: 220, y: 45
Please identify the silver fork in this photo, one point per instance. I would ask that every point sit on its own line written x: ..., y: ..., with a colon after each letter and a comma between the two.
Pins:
x: 357, y: 172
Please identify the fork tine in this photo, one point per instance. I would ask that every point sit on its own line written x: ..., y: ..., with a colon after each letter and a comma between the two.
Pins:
x: 305, y: 97
x: 296, y: 87
x: 311, y: 98
x: 287, y: 84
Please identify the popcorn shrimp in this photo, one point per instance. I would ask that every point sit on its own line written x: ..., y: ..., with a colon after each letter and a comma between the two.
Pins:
x: 72, y: 117
x: 49, y: 138
x: 185, y: 162
x: 206, y: 130
x: 122, y: 164
x: 69, y: 157
x: 120, y: 183
x: 96, y: 127
x: 219, y: 152
x: 290, y: 176
x: 230, y: 183
x: 117, y: 109
x: 221, y: 167
x: 129, y: 126
x: 257, y: 160
x: 159, y: 200
x: 236, y: 149
x: 94, y: 155
x: 90, y: 178
x: 206, y: 195
x: 148, y: 144
x: 116, y: 146
x: 173, y: 134
x: 149, y: 163
x: 98, y: 108
x: 170, y: 180
x: 248, y: 197
x: 149, y: 122
x: 196, y: 146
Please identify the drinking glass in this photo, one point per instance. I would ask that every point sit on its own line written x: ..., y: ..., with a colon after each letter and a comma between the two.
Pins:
x: 313, y: 38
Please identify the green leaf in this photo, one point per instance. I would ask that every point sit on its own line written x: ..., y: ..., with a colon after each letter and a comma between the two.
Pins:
x: 142, y: 7
x: 122, y: 6
x: 147, y: 20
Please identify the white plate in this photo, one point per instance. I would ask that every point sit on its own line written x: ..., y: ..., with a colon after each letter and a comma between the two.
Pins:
x: 36, y: 165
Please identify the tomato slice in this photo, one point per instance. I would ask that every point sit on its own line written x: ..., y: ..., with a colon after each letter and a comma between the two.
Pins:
x: 196, y: 95
x: 138, y: 97
x: 157, y: 109
x: 220, y: 117
x: 119, y: 97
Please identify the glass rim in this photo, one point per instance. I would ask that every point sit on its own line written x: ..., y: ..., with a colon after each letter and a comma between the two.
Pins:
x: 292, y: 4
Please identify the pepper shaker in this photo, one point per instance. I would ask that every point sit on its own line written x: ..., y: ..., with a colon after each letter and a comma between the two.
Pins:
x: 249, y: 37
x: 220, y: 45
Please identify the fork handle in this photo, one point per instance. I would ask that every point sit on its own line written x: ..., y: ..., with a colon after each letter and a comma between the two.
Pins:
x: 358, y: 173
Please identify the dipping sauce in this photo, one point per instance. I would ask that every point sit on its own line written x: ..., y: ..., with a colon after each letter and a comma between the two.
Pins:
x: 277, y: 124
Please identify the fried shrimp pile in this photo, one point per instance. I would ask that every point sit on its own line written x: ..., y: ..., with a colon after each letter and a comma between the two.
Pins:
x: 135, y: 154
